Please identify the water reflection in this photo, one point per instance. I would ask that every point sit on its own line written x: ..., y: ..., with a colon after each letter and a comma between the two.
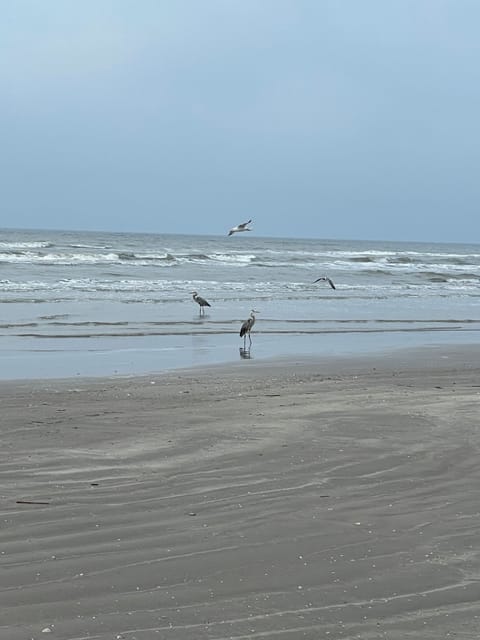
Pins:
x: 245, y: 353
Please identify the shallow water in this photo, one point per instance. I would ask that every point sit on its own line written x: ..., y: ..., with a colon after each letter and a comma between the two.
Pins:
x: 99, y: 304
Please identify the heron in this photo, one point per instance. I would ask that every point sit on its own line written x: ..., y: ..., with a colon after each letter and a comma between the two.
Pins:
x: 240, y: 227
x: 201, y: 301
x: 247, y: 327
x: 325, y: 279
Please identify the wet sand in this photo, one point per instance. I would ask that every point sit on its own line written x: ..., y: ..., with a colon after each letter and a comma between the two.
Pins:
x: 301, y: 499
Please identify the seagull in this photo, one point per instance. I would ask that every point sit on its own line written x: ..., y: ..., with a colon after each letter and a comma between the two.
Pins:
x: 326, y: 280
x: 247, y: 327
x: 239, y: 227
x: 201, y: 301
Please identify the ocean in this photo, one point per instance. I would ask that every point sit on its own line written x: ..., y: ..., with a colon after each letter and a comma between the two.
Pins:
x: 94, y: 304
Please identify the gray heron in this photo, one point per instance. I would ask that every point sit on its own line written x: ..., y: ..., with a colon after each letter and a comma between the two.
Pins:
x: 240, y: 227
x: 247, y: 327
x: 325, y: 279
x: 201, y: 301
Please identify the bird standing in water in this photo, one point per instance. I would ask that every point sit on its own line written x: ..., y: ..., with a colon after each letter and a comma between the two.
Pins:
x: 247, y: 327
x: 201, y: 302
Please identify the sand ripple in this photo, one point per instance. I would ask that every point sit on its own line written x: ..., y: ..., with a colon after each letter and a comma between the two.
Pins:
x: 310, y: 506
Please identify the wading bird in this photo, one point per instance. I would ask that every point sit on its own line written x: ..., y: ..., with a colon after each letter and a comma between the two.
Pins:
x: 201, y: 301
x: 247, y: 327
x: 239, y: 227
x: 326, y: 280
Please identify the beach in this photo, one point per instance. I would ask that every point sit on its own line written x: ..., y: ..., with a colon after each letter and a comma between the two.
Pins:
x: 300, y: 498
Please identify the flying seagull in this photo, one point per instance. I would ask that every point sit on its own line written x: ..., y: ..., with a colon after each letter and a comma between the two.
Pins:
x: 201, y: 301
x: 326, y: 280
x: 247, y: 327
x: 239, y: 227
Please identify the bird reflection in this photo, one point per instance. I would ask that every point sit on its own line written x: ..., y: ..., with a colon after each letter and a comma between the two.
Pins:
x: 245, y: 353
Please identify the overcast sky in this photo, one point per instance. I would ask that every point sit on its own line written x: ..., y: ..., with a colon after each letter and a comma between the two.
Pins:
x: 317, y: 118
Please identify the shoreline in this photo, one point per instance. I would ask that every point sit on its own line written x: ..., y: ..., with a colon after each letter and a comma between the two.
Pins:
x: 388, y: 360
x: 286, y: 499
x: 154, y: 356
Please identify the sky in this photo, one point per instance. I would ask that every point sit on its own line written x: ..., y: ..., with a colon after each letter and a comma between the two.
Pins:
x: 315, y: 118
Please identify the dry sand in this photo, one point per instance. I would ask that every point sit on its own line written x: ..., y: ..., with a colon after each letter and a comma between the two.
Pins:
x: 315, y: 499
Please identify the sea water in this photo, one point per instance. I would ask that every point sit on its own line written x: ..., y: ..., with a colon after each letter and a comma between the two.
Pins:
x: 90, y: 303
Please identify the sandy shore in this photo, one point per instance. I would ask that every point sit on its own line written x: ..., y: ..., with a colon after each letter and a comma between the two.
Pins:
x: 309, y: 499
